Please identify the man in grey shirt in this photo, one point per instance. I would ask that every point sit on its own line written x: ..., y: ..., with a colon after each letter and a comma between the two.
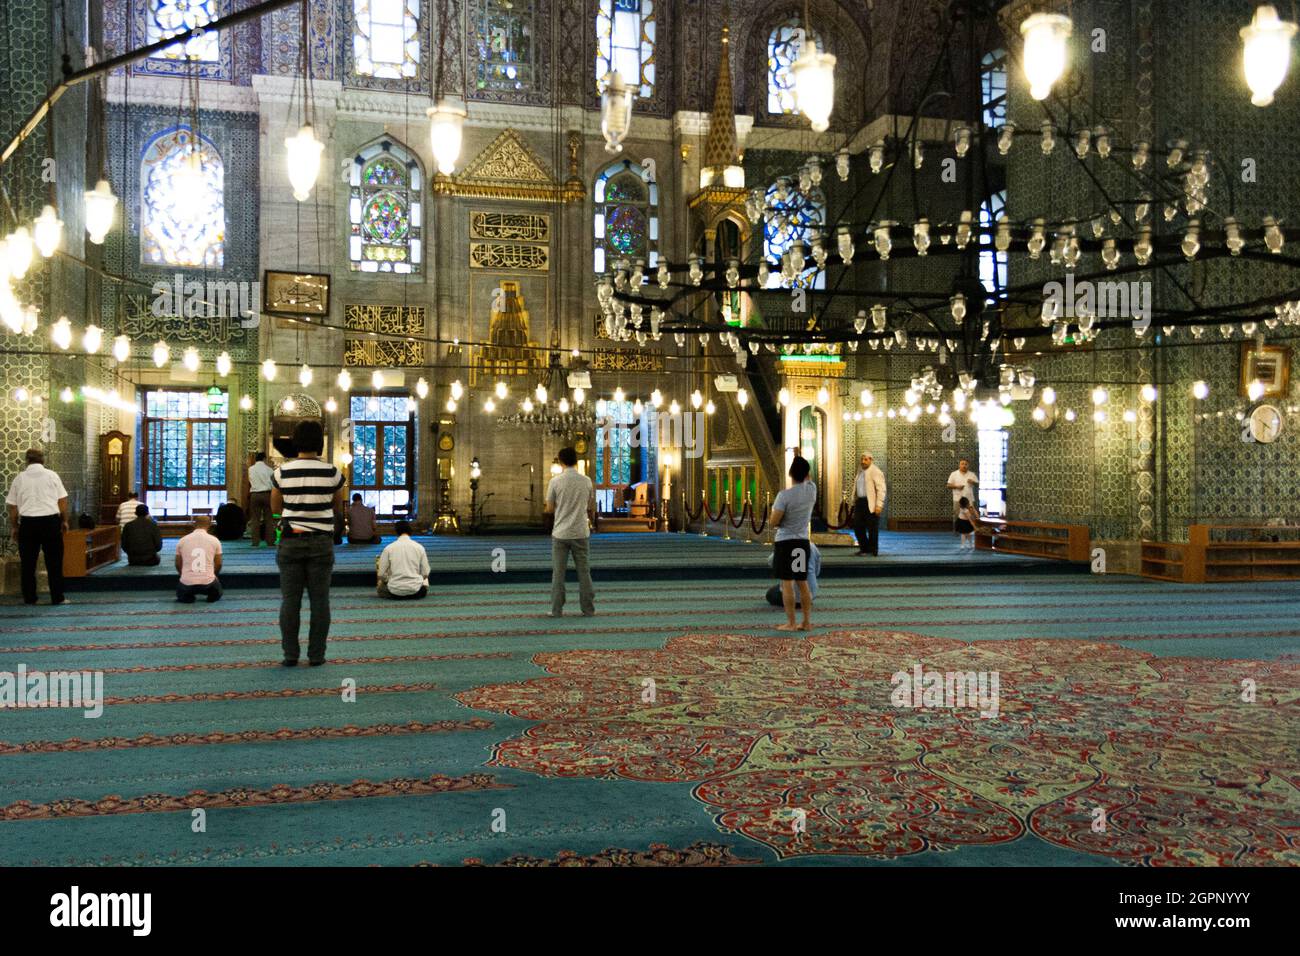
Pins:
x: 570, y: 497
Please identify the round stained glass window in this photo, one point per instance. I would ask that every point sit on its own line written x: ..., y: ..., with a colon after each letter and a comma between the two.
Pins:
x: 385, y: 172
x: 625, y: 230
x: 386, y: 218
x: 625, y: 189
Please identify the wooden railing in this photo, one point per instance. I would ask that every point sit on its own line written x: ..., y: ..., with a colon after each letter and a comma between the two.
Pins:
x: 1225, y: 553
x: 84, y: 550
x: 1038, y: 539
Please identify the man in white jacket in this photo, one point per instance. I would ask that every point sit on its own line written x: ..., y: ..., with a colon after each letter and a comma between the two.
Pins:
x: 404, y: 567
x: 868, y: 503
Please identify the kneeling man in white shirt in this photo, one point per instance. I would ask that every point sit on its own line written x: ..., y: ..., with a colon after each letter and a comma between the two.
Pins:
x: 404, y: 567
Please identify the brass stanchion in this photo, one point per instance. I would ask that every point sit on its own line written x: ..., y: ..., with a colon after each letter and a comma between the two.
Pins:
x: 704, y: 513
x: 726, y: 517
x: 686, y: 518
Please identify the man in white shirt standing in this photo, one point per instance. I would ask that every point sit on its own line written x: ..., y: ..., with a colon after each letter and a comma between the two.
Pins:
x: 868, y: 503
x: 38, y: 516
x: 570, y: 496
x: 260, y: 519
x: 404, y: 567
x: 963, y: 483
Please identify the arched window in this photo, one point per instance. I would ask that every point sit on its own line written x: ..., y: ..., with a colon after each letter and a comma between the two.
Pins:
x: 627, y: 215
x: 182, y: 204
x: 625, y: 41
x: 794, y: 215
x: 503, y: 35
x: 783, y: 46
x: 168, y: 18
x: 385, y: 38
x: 384, y: 210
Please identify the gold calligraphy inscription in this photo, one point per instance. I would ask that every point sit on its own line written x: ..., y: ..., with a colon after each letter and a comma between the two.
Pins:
x: 383, y: 353
x: 510, y: 226
x: 385, y: 319
x: 626, y: 360
x: 509, y: 256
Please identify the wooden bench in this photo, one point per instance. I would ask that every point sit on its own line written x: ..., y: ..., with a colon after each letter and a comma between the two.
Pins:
x: 1211, y: 555
x: 1036, y: 539
x: 85, y: 550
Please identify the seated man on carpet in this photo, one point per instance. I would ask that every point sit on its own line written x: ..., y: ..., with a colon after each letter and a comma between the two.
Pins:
x: 362, y: 528
x: 814, y: 569
x: 230, y: 522
x: 404, y: 567
x: 198, y: 559
x: 141, y: 539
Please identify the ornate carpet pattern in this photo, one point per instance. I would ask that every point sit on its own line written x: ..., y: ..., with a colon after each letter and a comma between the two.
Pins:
x: 768, y: 730
x: 470, y: 729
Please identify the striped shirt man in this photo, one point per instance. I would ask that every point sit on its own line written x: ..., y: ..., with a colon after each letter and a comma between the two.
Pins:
x: 308, y: 486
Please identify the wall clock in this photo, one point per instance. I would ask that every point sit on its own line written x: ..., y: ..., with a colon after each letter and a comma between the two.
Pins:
x: 1265, y: 424
x: 446, y: 442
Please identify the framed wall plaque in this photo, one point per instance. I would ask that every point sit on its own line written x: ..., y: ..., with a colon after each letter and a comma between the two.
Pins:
x: 1271, y: 365
x: 296, y: 294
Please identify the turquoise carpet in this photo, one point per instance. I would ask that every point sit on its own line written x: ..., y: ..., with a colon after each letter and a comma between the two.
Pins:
x: 675, y: 727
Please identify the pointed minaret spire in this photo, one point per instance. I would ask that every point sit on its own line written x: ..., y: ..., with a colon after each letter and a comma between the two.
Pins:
x: 720, y: 150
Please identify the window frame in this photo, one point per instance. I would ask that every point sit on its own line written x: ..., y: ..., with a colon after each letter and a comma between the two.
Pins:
x: 190, y: 487
x: 359, y: 196
x: 380, y: 486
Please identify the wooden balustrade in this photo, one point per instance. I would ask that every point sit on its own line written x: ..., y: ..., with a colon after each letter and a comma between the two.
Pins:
x: 1216, y: 553
x: 1038, y: 539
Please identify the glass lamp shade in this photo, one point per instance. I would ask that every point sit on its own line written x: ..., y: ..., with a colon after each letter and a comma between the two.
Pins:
x: 303, y: 153
x: 188, y: 186
x: 1267, y: 53
x: 615, y: 111
x: 446, y: 128
x: 61, y: 333
x: 814, y: 85
x: 223, y: 364
x: 93, y: 339
x: 100, y: 204
x: 47, y: 231
x: 190, y: 359
x: 20, y: 252
x: 162, y: 353
x: 121, y: 348
x: 269, y: 370
x: 345, y: 381
x: 1045, y: 50
x: 305, y: 375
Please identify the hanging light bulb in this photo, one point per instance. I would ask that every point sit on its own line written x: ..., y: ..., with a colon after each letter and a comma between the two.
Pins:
x: 1048, y: 138
x: 842, y: 164
x: 618, y: 394
x: 882, y: 239
x: 99, y: 205
x: 579, y: 396
x: 764, y: 273
x: 1267, y: 53
x: 1148, y: 393
x: 92, y: 339
x: 1255, y: 390
x: 246, y: 403
x: 1142, y: 247
x: 47, y: 231
x: 1191, y: 244
x: 190, y: 359
x: 527, y: 405
x: 540, y: 393
x: 876, y: 156
x: 615, y: 111
x: 331, y: 406
x: 344, y: 381
x: 161, y: 353
x: 289, y: 404
x: 451, y: 405
x: 958, y: 304
x: 921, y: 236
x: 1049, y: 396
x: 1232, y: 236
x: 305, y: 375
x: 377, y: 379
x: 1045, y: 52
x: 823, y: 395
x: 21, y: 251
x: 1141, y: 155
x: 303, y: 152
x: 1200, y: 390
x: 269, y: 370
x: 1273, y: 237
x: 501, y: 390
x: 489, y: 405
x: 814, y: 83
x: 1099, y: 396
x: 457, y: 390
x: 446, y: 131
x: 121, y: 348
x: 656, y: 398
x: 61, y: 333
x: 783, y: 397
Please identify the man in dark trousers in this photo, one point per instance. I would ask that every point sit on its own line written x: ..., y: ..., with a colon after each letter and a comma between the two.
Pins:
x: 141, y: 539
x: 308, y: 495
x: 38, y: 516
x: 868, y: 503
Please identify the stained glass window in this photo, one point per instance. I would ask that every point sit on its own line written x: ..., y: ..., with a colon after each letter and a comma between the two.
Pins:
x: 625, y: 41
x: 384, y: 210
x: 183, y: 207
x: 993, y: 88
x: 797, y: 216
x: 184, y: 452
x: 993, y: 264
x: 502, y: 36
x: 386, y: 38
x: 783, y: 46
x: 383, y: 469
x: 626, y: 222
x: 169, y: 18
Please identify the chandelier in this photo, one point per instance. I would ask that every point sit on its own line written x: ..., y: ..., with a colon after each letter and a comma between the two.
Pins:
x: 548, y: 409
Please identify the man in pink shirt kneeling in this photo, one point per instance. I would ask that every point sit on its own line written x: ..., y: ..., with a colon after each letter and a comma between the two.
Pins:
x: 198, y: 559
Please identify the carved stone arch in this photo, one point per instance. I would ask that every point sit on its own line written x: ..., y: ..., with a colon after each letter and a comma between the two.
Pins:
x: 845, y: 34
x: 304, y: 406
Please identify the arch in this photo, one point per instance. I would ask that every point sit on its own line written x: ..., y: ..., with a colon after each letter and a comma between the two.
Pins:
x: 797, y: 216
x: 783, y: 45
x: 625, y: 220
x: 182, y: 201
x: 385, y: 209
